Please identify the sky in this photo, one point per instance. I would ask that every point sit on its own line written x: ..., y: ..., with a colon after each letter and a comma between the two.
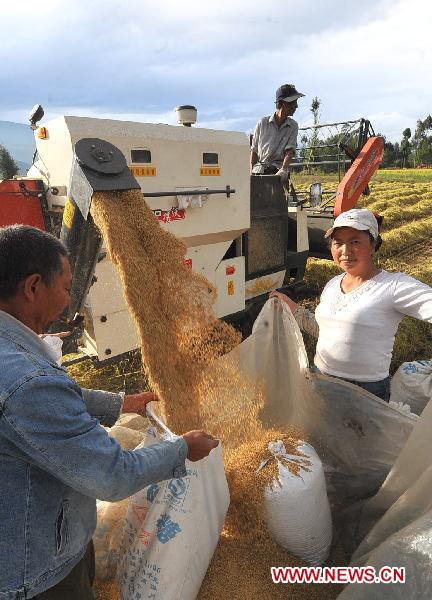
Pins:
x: 137, y: 60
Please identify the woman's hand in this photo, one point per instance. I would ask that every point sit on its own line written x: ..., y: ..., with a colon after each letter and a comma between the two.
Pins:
x: 136, y: 403
x: 284, y: 298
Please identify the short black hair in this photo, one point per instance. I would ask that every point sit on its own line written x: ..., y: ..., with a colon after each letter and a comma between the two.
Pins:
x: 26, y: 250
x: 377, y: 243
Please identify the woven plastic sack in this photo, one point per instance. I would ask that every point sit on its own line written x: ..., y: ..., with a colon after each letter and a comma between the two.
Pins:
x: 412, y: 385
x: 296, y: 505
x: 55, y: 344
x: 126, y: 437
x: 108, y: 537
x: 171, y: 531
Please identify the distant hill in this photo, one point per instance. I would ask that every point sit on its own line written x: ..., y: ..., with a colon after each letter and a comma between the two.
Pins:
x: 19, y: 140
x: 23, y: 167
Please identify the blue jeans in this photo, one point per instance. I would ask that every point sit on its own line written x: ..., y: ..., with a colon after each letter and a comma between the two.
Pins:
x: 379, y: 388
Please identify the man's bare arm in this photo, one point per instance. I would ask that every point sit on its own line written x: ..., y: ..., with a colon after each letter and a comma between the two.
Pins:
x: 253, y: 159
x: 288, y: 156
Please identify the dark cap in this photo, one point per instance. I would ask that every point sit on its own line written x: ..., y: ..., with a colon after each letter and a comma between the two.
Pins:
x: 287, y: 93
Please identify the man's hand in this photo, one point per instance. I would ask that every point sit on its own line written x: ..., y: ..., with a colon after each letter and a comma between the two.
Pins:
x: 199, y: 444
x: 284, y: 175
x: 136, y: 403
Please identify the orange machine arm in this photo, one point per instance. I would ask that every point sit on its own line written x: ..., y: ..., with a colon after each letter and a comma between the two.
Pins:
x: 358, y: 175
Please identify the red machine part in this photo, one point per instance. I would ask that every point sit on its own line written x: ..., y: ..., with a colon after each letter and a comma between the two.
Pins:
x: 358, y: 175
x: 20, y: 203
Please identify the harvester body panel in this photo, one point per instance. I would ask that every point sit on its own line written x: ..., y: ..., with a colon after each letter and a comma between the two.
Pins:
x: 246, y: 235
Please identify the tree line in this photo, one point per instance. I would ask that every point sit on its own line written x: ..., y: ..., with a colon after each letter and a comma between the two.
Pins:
x: 316, y: 148
x: 8, y: 166
x: 413, y: 150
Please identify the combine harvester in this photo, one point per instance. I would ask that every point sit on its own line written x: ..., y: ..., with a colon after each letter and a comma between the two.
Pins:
x: 246, y: 235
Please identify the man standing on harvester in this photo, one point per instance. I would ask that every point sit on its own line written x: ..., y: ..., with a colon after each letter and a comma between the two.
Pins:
x: 275, y: 138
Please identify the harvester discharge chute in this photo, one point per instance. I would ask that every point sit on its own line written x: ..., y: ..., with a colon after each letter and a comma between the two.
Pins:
x: 97, y: 166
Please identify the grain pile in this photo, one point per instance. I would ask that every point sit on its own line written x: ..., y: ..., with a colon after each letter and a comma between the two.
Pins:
x: 106, y: 590
x: 240, y: 568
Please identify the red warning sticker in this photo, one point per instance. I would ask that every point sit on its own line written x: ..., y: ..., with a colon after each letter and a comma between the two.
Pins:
x: 166, y: 216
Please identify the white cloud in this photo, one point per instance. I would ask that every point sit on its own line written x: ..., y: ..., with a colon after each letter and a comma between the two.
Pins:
x: 139, y: 59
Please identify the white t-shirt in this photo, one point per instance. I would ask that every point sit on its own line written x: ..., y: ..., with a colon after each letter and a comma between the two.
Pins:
x: 357, y: 329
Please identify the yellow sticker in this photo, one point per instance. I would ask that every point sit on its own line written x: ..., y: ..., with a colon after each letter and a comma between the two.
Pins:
x: 68, y: 213
x: 143, y: 171
x: 230, y: 287
x: 210, y: 171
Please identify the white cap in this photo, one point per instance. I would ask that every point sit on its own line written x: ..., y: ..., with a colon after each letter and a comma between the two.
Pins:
x: 357, y: 218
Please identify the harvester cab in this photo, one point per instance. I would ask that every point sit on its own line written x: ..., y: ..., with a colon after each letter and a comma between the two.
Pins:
x: 245, y: 234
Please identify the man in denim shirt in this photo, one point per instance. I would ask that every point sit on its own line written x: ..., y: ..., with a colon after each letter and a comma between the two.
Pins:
x: 56, y: 458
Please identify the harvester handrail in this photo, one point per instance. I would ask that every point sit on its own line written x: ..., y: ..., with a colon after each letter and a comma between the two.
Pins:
x: 319, y: 126
x: 318, y: 163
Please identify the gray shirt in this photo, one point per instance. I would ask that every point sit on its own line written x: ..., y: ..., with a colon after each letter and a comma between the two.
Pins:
x: 270, y: 142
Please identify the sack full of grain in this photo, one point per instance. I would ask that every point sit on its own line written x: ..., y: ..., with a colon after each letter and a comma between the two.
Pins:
x: 171, y: 531
x: 412, y: 385
x: 126, y: 437
x: 297, y: 509
x: 107, y: 538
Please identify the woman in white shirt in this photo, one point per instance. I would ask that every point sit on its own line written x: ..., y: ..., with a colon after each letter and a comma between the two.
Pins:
x: 360, y: 310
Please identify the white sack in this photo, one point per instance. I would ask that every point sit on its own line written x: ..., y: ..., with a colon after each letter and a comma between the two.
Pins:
x: 171, y: 531
x: 55, y: 345
x: 356, y: 434
x: 297, y: 508
x: 127, y: 438
x: 133, y: 421
x: 365, y: 445
x: 412, y: 385
x: 108, y: 537
x: 397, y: 523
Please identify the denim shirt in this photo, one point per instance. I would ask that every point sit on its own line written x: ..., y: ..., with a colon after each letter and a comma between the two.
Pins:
x: 56, y: 459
